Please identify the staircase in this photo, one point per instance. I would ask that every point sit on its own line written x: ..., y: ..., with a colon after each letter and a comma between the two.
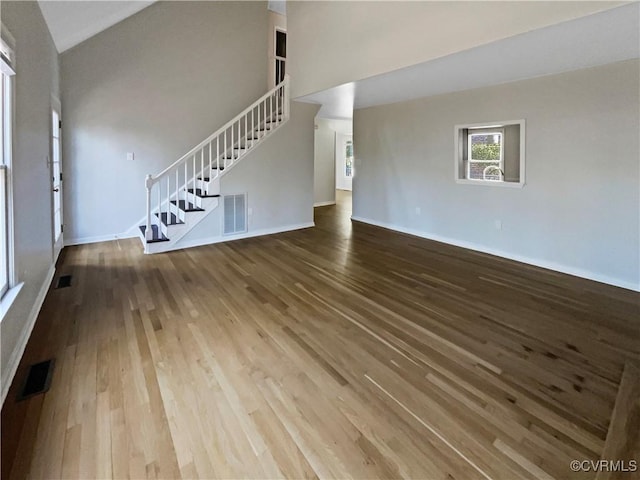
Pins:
x: 183, y: 194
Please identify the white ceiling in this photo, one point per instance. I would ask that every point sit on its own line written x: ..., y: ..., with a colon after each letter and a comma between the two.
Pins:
x: 597, y: 39
x: 72, y: 22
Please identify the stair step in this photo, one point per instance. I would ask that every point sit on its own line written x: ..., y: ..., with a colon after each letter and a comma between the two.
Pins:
x: 200, y: 193
x: 187, y: 206
x: 158, y: 236
x: 173, y: 219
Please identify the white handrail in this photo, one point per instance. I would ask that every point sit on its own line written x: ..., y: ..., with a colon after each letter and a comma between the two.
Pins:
x: 222, y: 129
x: 228, y: 140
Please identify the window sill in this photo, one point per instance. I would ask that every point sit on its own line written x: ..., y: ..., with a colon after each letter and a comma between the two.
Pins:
x: 8, y: 299
x: 484, y: 183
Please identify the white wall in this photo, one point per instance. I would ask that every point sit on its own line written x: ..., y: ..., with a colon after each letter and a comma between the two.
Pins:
x: 36, y: 80
x: 579, y: 211
x: 155, y: 84
x: 324, y: 180
x: 331, y: 43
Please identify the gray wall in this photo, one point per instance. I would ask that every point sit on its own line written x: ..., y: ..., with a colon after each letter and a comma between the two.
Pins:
x: 36, y: 80
x: 155, y: 84
x: 324, y: 175
x: 324, y: 179
x: 579, y: 211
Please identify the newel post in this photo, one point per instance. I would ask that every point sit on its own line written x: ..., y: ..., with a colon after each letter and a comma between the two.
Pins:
x: 148, y: 183
x: 285, y: 108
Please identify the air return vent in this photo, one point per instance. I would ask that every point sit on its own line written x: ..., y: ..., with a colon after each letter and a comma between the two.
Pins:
x: 38, y: 379
x: 235, y: 214
x: 64, y: 281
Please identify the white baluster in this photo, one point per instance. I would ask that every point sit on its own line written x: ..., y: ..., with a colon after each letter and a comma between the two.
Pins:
x: 217, y: 155
x: 168, y: 197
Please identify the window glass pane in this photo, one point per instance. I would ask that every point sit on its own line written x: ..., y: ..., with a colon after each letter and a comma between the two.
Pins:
x: 56, y: 124
x: 348, y: 159
x: 485, y: 156
x: 281, y: 44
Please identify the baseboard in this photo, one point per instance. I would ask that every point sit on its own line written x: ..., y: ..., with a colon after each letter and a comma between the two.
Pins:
x: 324, y: 204
x: 18, y: 351
x: 227, y: 238
x: 98, y: 239
x: 577, y: 272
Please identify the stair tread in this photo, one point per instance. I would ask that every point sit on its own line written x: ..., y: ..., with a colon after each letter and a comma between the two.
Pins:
x: 173, y: 219
x: 200, y: 193
x: 187, y: 206
x: 158, y: 236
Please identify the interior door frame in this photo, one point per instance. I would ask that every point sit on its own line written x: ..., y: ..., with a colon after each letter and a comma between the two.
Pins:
x: 342, y: 181
x: 56, y: 244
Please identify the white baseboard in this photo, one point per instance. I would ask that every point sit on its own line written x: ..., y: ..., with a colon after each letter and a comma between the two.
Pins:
x: 324, y: 204
x: 569, y: 270
x: 226, y: 238
x: 18, y: 351
x: 97, y: 239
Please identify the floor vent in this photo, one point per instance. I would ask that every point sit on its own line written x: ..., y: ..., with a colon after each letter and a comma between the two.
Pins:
x: 64, y: 281
x: 235, y: 214
x: 38, y: 380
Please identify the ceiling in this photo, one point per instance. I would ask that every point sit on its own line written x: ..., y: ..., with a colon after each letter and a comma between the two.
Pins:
x: 72, y: 22
x: 598, y: 39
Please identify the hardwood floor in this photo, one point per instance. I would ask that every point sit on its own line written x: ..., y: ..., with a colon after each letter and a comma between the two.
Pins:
x: 342, y: 351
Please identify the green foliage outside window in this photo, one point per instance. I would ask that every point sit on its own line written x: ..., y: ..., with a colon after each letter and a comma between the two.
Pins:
x: 484, y: 151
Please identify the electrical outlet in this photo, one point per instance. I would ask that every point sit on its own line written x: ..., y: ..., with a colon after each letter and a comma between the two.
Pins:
x: 498, y: 224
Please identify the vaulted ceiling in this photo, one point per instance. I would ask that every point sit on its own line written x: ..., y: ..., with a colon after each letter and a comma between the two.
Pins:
x: 72, y: 22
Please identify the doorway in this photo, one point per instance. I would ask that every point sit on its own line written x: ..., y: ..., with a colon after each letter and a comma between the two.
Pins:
x: 56, y: 178
x: 344, y: 162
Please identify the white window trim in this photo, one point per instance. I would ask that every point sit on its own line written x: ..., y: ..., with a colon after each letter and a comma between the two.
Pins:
x: 485, y: 131
x: 8, y: 297
x: 489, y: 126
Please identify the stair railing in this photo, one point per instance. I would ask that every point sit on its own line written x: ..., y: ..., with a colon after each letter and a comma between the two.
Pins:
x: 215, y: 154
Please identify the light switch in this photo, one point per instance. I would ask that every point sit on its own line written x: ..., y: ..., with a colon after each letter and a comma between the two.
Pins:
x: 130, y: 156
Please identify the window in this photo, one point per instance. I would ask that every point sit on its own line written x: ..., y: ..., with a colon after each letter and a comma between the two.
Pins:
x: 6, y: 121
x: 348, y: 170
x: 490, y: 154
x: 280, y: 54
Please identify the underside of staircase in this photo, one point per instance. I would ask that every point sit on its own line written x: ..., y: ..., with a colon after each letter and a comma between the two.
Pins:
x: 183, y: 194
